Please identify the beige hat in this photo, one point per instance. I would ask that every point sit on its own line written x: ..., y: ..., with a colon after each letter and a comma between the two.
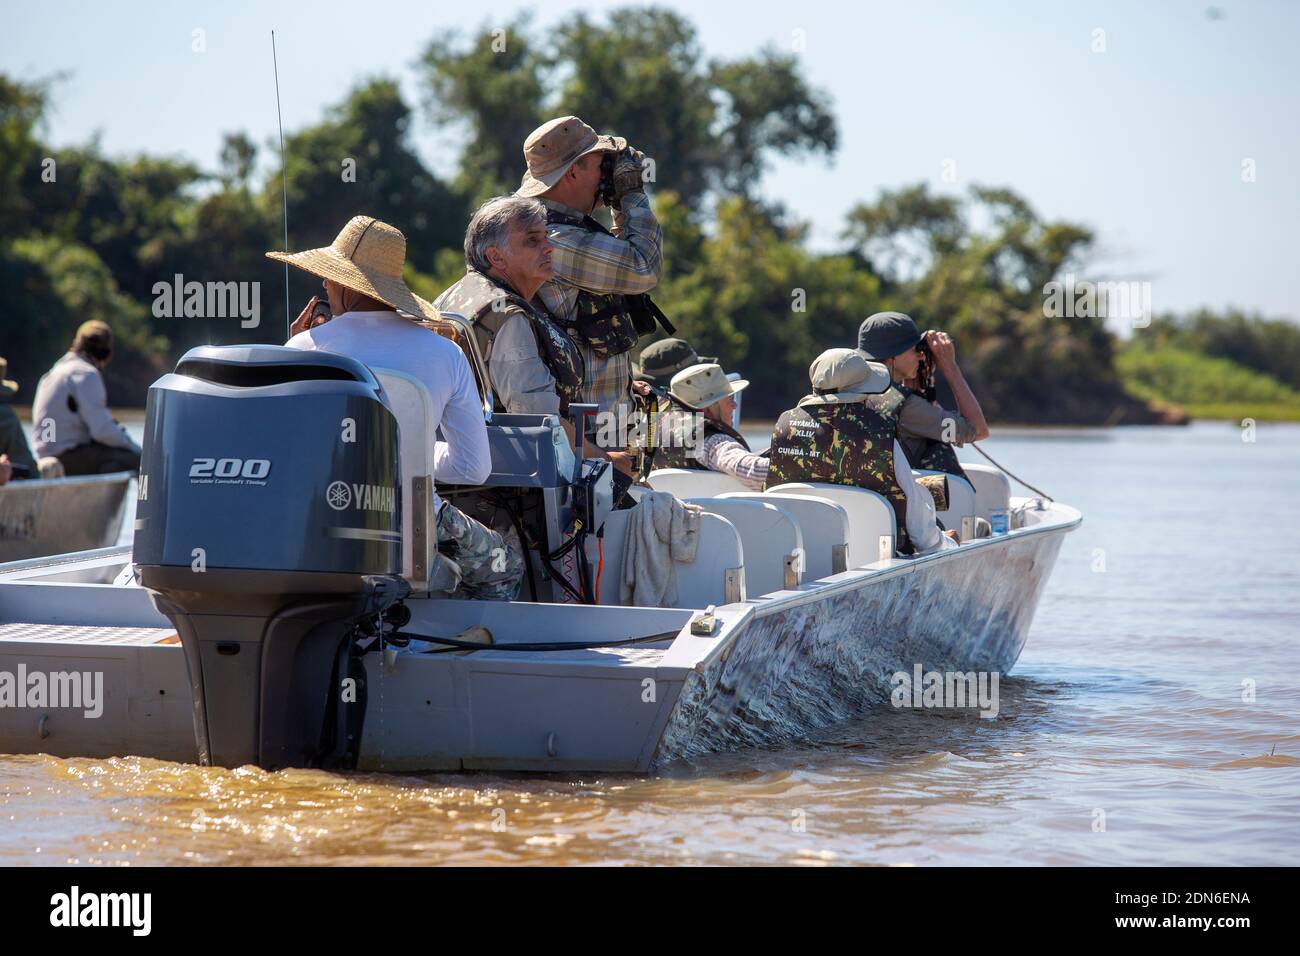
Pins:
x: 699, y: 386
x: 848, y: 372
x: 556, y: 145
x: 7, y: 385
x: 366, y: 257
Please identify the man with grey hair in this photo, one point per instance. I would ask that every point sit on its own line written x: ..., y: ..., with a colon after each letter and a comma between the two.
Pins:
x: 534, y: 367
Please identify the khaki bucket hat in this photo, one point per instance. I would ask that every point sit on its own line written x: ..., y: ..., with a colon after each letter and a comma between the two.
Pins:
x: 556, y: 145
x: 366, y: 257
x: 699, y: 386
x: 844, y: 375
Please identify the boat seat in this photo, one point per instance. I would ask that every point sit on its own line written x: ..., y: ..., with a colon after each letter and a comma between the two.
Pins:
x: 870, y: 515
x: 992, y: 489
x: 770, y: 538
x: 427, y: 570
x: 694, y: 482
x: 961, y: 500
x: 823, y: 523
x: 716, y: 576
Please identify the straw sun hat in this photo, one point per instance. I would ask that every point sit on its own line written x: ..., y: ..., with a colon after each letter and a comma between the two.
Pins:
x: 366, y: 257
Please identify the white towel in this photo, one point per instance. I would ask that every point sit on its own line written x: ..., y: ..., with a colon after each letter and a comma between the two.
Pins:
x: 661, y: 531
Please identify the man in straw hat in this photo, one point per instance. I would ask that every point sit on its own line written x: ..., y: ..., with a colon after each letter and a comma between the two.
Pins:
x: 70, y: 416
x: 697, y: 432
x: 16, y: 459
x: 846, y: 433
x: 362, y: 273
x: 595, y: 268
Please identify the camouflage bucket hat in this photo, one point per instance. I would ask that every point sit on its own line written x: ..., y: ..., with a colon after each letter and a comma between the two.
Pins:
x: 556, y: 145
x: 663, y: 360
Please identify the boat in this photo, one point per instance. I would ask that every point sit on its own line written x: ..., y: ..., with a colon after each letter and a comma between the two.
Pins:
x: 56, y: 515
x: 284, y: 603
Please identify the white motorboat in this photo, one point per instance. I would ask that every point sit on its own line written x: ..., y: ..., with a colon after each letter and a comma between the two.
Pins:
x: 284, y: 603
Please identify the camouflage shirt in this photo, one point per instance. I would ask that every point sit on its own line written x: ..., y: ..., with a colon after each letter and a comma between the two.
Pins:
x: 843, y: 443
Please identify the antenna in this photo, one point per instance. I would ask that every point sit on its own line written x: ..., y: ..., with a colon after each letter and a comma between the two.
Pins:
x: 284, y: 188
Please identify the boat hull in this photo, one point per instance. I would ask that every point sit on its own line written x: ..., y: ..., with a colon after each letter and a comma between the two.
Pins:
x: 61, y: 515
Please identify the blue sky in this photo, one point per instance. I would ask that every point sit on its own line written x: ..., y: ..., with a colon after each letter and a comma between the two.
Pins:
x: 1143, y: 142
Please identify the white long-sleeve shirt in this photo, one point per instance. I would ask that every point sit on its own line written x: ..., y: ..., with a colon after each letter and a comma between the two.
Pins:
x: 387, y: 340
x: 71, y: 409
x: 921, y: 522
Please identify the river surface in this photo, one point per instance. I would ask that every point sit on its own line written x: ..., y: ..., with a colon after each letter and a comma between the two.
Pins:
x: 1154, y: 718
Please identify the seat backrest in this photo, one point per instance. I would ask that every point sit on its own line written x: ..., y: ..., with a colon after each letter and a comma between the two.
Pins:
x: 771, y: 540
x: 455, y: 327
x: 823, y: 523
x: 716, y: 576
x: 992, y: 488
x: 693, y: 482
x: 870, y: 515
x: 961, y: 500
x: 422, y: 565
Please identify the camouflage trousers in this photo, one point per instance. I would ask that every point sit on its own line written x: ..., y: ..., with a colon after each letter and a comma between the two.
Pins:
x: 491, y: 564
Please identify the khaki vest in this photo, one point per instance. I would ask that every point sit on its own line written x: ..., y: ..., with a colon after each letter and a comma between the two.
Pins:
x: 474, y: 296
x: 844, y: 442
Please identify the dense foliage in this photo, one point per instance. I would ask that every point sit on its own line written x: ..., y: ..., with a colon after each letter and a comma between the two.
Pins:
x: 83, y: 235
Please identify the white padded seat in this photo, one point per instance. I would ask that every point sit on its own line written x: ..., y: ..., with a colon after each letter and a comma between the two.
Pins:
x: 961, y: 500
x: 870, y: 515
x: 426, y: 570
x: 992, y: 489
x: 693, y: 482
x: 700, y: 583
x: 770, y: 537
x: 823, y: 523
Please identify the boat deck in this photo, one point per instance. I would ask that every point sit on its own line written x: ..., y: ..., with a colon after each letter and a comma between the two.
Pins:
x: 81, y: 634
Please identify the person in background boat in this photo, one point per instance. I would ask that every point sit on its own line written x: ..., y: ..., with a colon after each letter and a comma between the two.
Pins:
x: 595, y: 269
x: 534, y: 367
x: 846, y: 433
x: 16, y: 461
x: 70, y: 416
x: 362, y: 273
x: 927, y: 430
x: 696, y: 432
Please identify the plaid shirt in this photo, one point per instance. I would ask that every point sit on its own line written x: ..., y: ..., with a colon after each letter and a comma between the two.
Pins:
x: 625, y: 263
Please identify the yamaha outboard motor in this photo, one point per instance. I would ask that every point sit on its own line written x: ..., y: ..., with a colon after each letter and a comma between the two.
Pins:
x: 268, y: 530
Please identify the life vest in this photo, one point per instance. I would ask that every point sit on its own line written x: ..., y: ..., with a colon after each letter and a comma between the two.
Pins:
x: 682, y: 434
x: 486, y: 304
x: 842, y: 440
x: 609, y: 323
x: 935, y: 454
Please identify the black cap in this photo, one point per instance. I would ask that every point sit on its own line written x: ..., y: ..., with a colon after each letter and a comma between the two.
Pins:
x: 887, y: 334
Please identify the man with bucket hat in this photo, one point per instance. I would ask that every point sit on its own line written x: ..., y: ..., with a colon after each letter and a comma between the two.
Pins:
x: 600, y: 275
x: 845, y: 433
x: 375, y: 321
x: 696, y: 432
x: 926, y: 430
